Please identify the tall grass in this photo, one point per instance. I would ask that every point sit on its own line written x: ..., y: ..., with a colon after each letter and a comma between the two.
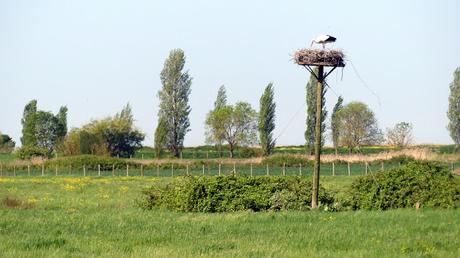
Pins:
x: 88, y: 217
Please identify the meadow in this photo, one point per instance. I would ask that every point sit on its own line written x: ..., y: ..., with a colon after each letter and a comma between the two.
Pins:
x: 67, y: 216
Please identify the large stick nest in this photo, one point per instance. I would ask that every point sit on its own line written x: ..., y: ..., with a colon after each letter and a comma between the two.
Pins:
x: 316, y: 57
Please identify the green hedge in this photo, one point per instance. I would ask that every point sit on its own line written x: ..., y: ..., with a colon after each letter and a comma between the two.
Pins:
x: 232, y: 193
x: 428, y: 183
x: 90, y: 162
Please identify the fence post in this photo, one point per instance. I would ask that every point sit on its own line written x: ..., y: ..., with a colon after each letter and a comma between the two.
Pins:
x: 99, y: 169
x: 251, y: 169
x: 56, y: 170
x: 158, y: 170
x: 14, y: 170
x: 366, y: 167
x: 300, y: 169
x: 349, y: 170
x: 84, y: 170
x: 43, y: 169
x: 187, y: 169
x: 127, y: 170
x: 268, y: 173
x: 381, y: 164
x: 70, y: 169
x: 172, y: 170
x: 220, y: 164
x: 202, y: 168
x: 333, y: 168
x: 28, y: 170
x: 234, y: 168
x: 284, y: 169
x: 142, y: 155
x: 452, y: 167
x: 142, y: 170
x: 113, y: 169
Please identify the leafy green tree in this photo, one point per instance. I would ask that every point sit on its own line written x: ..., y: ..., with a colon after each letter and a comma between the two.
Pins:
x: 335, y: 123
x: 28, y: 124
x: 400, y: 135
x: 214, y: 132
x: 42, y: 130
x: 62, y: 123
x: 311, y: 113
x: 161, y: 132
x: 453, y: 112
x: 6, y: 143
x: 221, y: 99
x: 267, y: 120
x: 358, y: 126
x: 238, y: 124
x: 174, y: 96
x: 46, y: 130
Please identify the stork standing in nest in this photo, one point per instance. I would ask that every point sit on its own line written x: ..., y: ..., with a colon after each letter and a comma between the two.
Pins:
x: 323, y: 40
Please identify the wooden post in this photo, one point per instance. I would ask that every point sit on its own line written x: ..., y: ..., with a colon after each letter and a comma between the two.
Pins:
x: 158, y: 170
x: 300, y: 169
x: 28, y: 170
x: 56, y: 170
x: 127, y: 170
x: 284, y: 169
x: 202, y: 166
x: 220, y: 164
x: 14, y: 170
x: 172, y: 170
x: 367, y: 167
x: 113, y: 169
x: 251, y: 169
x: 333, y: 168
x: 99, y: 169
x: 142, y: 155
x: 234, y: 168
x: 268, y: 172
x: 187, y: 169
x: 383, y: 168
x: 349, y: 170
x: 43, y: 170
x: 142, y: 170
x: 207, y: 154
x: 317, y: 166
x: 84, y: 170
x: 70, y: 169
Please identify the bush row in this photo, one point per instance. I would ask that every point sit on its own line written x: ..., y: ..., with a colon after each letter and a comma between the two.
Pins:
x: 232, y: 193
x: 428, y: 183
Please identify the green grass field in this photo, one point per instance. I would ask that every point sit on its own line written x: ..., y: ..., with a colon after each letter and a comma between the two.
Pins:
x: 97, y: 216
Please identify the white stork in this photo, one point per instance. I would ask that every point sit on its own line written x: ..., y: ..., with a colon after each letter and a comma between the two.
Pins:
x: 323, y: 40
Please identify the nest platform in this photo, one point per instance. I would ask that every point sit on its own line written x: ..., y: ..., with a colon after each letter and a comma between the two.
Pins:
x: 320, y: 57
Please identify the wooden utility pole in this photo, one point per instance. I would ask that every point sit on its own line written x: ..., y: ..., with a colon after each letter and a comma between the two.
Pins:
x: 319, y: 58
x: 319, y: 108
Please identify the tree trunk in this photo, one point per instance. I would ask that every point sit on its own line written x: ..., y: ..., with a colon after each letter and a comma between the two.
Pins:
x: 231, y: 150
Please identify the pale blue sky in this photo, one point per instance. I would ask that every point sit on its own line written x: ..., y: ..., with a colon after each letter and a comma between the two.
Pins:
x: 95, y: 56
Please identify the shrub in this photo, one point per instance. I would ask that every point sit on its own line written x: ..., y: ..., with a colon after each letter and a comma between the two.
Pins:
x: 90, y: 162
x: 232, y: 193
x: 29, y: 152
x: 428, y: 183
x: 290, y: 160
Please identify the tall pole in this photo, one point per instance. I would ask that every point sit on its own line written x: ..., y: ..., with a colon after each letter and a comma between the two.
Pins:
x: 319, y: 107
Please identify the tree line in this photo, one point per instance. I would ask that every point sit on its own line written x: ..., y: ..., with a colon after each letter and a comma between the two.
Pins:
x: 351, y: 125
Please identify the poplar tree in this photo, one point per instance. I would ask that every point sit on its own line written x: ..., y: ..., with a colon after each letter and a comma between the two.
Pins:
x: 28, y: 124
x: 311, y: 113
x: 335, y: 123
x: 174, y: 96
x: 453, y: 112
x: 267, y: 120
x: 216, y: 132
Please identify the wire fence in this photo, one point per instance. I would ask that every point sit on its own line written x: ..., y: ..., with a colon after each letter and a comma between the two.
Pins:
x: 171, y: 170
